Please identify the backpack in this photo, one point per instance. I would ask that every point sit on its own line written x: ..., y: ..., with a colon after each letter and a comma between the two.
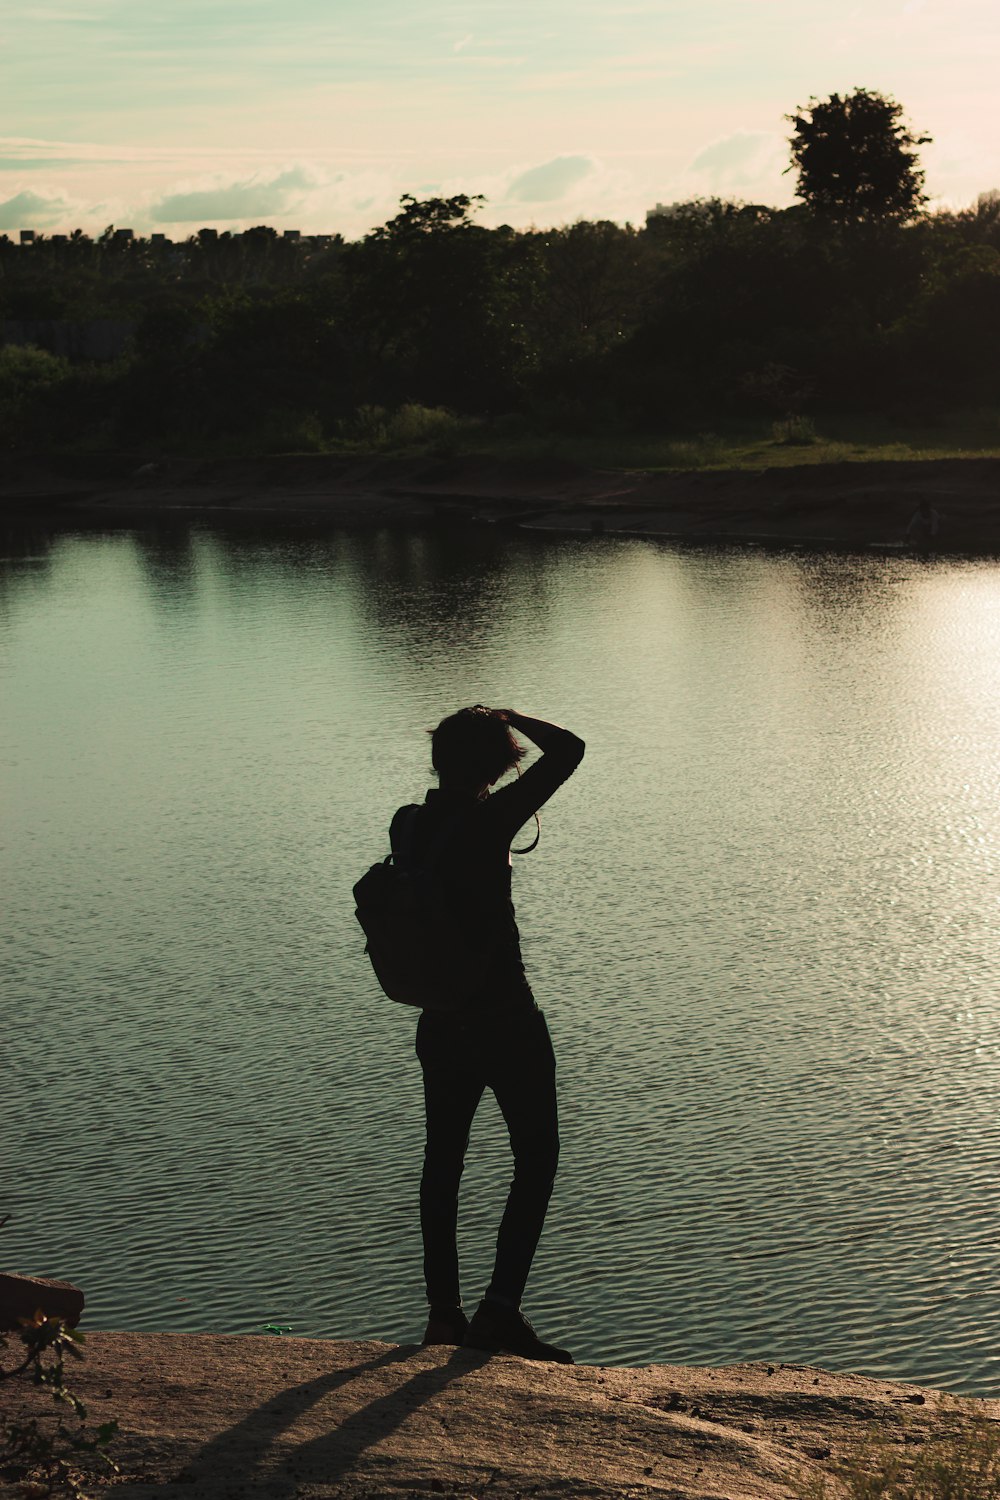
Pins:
x: 420, y: 953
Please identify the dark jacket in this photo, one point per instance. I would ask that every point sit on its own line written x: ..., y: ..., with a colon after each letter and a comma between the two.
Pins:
x: 475, y: 867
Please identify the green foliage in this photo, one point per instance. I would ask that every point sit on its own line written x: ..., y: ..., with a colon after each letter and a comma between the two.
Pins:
x: 373, y: 429
x: 593, y: 284
x: 856, y: 159
x: 25, y: 370
x: 952, y: 330
x: 30, y: 382
x: 776, y: 387
x: 429, y: 216
x: 427, y: 331
x: 795, y: 432
x: 44, y: 1454
x: 292, y: 432
x: 737, y: 443
x: 412, y: 425
x: 434, y: 309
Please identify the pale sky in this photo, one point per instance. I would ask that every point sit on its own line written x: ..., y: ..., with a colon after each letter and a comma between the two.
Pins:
x: 317, y: 114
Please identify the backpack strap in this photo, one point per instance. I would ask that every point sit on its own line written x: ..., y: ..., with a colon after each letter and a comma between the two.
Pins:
x: 402, y: 830
x: 404, y: 826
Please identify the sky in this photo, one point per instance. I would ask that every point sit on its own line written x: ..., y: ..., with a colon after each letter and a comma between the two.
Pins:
x: 317, y: 115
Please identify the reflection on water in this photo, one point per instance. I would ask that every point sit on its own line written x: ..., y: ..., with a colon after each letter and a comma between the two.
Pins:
x: 762, y: 922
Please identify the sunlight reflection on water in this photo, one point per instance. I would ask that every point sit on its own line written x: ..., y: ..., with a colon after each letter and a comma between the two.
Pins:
x: 762, y: 923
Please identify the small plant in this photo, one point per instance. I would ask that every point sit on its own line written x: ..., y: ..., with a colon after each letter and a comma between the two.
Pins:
x: 30, y: 379
x: 43, y: 1455
x: 959, y: 1466
x: 292, y: 432
x: 795, y: 431
x: 413, y: 424
x: 367, y: 427
x: 374, y: 429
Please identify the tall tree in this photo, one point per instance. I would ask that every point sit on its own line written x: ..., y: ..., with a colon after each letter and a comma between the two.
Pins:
x: 856, y: 159
x: 436, y: 305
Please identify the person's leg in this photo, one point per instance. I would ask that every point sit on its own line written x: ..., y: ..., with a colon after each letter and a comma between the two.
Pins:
x: 452, y: 1091
x: 523, y: 1078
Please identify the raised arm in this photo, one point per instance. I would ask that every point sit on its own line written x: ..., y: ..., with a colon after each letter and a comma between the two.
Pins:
x: 562, y: 751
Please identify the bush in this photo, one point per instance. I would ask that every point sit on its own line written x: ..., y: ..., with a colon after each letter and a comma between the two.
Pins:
x: 374, y: 429
x: 25, y: 370
x: 367, y: 427
x: 45, y: 1456
x: 292, y: 432
x: 795, y: 432
x: 412, y: 425
x: 30, y: 382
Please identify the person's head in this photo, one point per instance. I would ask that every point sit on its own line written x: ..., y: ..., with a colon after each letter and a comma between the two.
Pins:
x: 472, y: 749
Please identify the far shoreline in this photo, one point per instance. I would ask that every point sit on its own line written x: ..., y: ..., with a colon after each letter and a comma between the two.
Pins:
x: 843, y: 506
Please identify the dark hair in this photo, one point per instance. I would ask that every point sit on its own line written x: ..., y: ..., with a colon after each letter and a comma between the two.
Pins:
x: 474, y: 747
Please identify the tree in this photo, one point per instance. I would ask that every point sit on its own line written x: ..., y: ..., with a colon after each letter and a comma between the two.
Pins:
x: 435, y: 307
x: 856, y: 159
x: 430, y: 216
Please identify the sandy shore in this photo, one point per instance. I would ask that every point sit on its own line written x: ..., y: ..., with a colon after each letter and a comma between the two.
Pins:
x: 286, y: 1417
x: 849, y: 505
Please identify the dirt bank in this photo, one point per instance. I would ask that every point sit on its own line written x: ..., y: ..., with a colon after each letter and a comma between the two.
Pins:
x: 286, y: 1417
x: 844, y: 505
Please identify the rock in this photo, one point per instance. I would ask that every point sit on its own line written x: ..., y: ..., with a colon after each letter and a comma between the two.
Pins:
x: 246, y: 1417
x: 23, y: 1296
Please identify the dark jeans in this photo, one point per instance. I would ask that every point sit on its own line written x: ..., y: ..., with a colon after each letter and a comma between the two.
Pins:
x: 461, y: 1057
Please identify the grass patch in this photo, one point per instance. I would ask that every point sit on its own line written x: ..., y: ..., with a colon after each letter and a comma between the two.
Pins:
x: 410, y: 428
x: 415, y: 430
x: 752, y: 445
x: 963, y: 1466
x: 748, y: 444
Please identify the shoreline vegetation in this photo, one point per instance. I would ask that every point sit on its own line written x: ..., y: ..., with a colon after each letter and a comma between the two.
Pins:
x: 862, y: 503
x: 720, y: 338
x: 230, y: 1415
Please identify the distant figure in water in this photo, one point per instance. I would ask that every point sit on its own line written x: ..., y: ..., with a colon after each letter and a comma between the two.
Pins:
x: 498, y: 1040
x: 923, y: 528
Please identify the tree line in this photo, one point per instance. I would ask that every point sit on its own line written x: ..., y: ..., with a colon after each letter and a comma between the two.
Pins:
x: 854, y: 299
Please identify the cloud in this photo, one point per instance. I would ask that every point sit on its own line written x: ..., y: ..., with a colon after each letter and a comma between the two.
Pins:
x: 740, y: 161
x: 310, y: 195
x: 258, y: 197
x: 551, y: 181
x: 39, y: 163
x: 27, y: 210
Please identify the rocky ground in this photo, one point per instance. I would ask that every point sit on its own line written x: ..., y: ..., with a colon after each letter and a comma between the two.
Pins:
x: 218, y: 1417
x: 845, y: 505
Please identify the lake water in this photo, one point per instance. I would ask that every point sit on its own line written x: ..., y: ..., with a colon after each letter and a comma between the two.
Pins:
x: 762, y: 922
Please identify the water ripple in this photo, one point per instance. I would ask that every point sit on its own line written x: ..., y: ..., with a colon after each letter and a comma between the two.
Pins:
x: 762, y: 923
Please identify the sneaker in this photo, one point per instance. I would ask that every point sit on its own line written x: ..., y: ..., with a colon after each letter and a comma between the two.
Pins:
x: 447, y: 1326
x: 505, y: 1330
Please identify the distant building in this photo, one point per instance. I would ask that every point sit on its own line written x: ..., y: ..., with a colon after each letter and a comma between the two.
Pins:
x: 124, y: 236
x: 27, y: 236
x: 291, y: 234
x: 60, y: 239
x: 158, y: 239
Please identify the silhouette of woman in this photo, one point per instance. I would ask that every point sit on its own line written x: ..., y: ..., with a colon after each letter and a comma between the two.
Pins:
x: 498, y: 1040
